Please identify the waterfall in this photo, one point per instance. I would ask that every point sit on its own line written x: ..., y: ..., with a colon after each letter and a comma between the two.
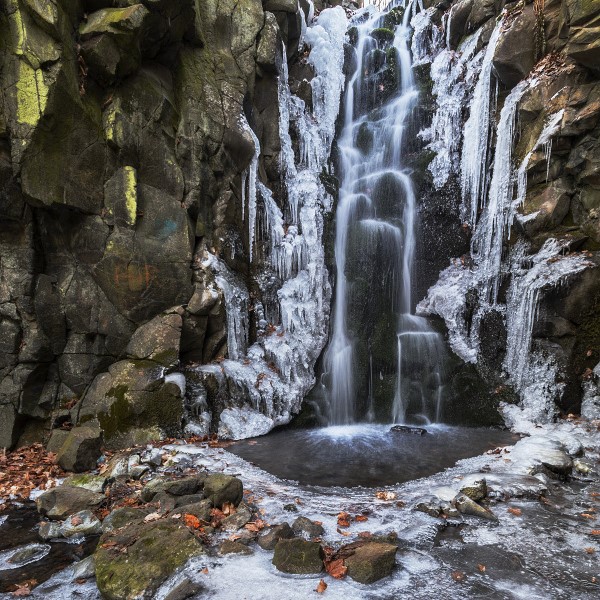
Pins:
x: 377, y: 206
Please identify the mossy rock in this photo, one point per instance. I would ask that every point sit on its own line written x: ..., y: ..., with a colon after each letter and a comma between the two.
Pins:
x: 393, y: 18
x: 352, y: 34
x: 298, y: 557
x: 154, y: 551
x: 364, y: 138
x: 383, y: 35
x: 371, y: 562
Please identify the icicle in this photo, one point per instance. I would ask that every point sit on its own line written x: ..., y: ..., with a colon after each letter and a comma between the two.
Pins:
x: 477, y: 134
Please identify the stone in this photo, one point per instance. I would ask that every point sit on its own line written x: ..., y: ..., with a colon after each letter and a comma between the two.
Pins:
x: 57, y: 438
x: 233, y: 547
x: 158, y: 340
x: 466, y: 506
x: 476, y: 490
x: 237, y: 520
x: 121, y: 517
x: 49, y: 530
x: 139, y: 471
x: 531, y: 452
x: 81, y: 523
x: 221, y: 488
x: 508, y: 485
x: 430, y: 505
x: 177, y: 487
x: 371, y: 562
x: 154, y: 552
x: 60, y: 502
x: 290, y: 6
x: 298, y: 557
x: 84, y: 569
x: 268, y: 541
x: 152, y: 457
x: 81, y: 449
x: 94, y: 483
x: 269, y: 45
x: 183, y: 590
x: 310, y: 528
x: 201, y: 510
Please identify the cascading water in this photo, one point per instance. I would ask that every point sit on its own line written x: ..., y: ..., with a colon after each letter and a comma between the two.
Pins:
x: 376, y: 222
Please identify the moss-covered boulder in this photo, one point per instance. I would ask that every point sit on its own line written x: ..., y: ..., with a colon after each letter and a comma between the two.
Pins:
x: 134, y: 561
x: 298, y: 556
x: 219, y: 489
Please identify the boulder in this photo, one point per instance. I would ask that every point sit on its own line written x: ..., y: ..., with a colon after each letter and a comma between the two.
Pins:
x: 302, y: 525
x: 221, y: 488
x: 175, y: 487
x: 371, y: 562
x: 201, y: 510
x: 290, y: 6
x: 60, y: 502
x: 298, y: 557
x: 154, y: 552
x: 81, y: 449
x: 237, y: 520
x: 476, y: 490
x: 269, y: 540
x: 232, y: 547
x: 94, y: 483
x: 49, y: 530
x: 81, y: 523
x: 269, y: 44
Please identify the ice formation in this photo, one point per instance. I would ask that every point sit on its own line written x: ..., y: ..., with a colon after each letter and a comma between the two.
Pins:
x: 262, y: 385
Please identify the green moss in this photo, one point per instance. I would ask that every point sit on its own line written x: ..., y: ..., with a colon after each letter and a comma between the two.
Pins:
x: 383, y: 35
x: 393, y: 18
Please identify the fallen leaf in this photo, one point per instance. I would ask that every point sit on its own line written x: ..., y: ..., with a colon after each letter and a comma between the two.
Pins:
x: 590, y: 550
x: 481, y: 568
x: 344, y: 533
x: 587, y: 516
x: 365, y: 534
x: 152, y: 517
x: 336, y: 568
x: 384, y: 495
x: 515, y: 511
x: 361, y: 518
x: 228, y: 508
x: 75, y: 520
x: 343, y: 519
x: 595, y: 532
x: 458, y: 576
x: 204, y: 571
x: 321, y: 587
x: 191, y: 521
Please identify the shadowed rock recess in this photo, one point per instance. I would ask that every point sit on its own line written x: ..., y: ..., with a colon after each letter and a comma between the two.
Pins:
x: 168, y: 183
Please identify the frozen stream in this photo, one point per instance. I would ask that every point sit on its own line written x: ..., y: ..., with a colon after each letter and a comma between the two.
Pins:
x: 539, y: 549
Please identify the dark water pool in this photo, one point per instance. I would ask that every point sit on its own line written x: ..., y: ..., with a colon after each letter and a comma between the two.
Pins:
x: 365, y: 455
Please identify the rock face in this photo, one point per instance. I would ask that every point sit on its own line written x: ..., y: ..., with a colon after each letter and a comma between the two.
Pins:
x: 122, y: 151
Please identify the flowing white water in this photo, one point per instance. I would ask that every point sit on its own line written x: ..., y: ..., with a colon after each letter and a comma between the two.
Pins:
x: 388, y: 237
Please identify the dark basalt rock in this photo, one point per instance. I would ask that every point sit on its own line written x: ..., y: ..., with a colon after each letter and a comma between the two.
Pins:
x: 408, y: 429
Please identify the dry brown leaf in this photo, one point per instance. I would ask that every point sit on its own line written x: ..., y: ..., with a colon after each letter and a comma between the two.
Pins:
x: 515, y: 511
x: 385, y: 495
x: 76, y: 520
x: 481, y: 568
x: 587, y: 516
x: 336, y: 568
x: 191, y: 521
x: 321, y: 587
x: 595, y: 532
x: 361, y: 518
x: 590, y: 550
x: 344, y: 533
x: 458, y: 576
x: 343, y: 519
x: 204, y: 571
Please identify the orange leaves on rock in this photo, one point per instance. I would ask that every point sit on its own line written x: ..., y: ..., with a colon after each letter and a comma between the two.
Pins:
x: 216, y: 517
x: 255, y: 526
x: 343, y: 519
x: 515, y: 511
x: 76, y: 520
x: 321, y: 587
x: 458, y: 576
x: 192, y: 521
x: 361, y: 518
x: 336, y: 568
x: 228, y: 509
x: 595, y: 532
